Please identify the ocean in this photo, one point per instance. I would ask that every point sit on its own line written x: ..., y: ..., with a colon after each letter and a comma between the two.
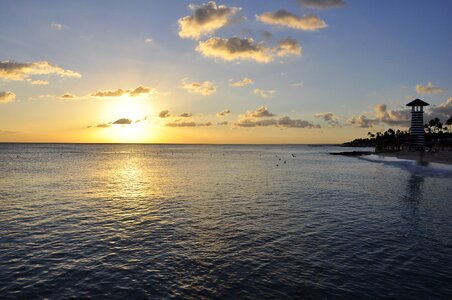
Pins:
x: 220, y: 222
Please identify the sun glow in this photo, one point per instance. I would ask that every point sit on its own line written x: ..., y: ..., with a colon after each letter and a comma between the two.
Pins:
x: 130, y: 121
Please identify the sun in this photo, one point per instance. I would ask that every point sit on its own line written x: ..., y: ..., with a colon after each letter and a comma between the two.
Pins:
x: 133, y: 121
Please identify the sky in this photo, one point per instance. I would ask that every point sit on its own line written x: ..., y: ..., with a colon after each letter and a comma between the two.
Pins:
x: 250, y: 71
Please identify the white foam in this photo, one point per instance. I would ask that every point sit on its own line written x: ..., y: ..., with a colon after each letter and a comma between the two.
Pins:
x: 429, y: 169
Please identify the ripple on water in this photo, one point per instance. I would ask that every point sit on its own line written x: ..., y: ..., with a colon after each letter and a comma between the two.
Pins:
x: 121, y: 221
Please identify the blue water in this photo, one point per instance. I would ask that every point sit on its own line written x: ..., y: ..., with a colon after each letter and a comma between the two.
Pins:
x: 201, y: 221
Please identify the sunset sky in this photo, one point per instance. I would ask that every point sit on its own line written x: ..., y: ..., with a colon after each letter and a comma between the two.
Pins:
x: 250, y: 71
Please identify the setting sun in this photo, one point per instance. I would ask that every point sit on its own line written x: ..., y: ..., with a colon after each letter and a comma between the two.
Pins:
x: 127, y: 120
x: 208, y: 149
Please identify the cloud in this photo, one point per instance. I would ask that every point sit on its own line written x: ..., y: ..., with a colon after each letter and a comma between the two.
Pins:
x: 164, y: 114
x: 10, y: 70
x: 7, y: 97
x: 38, y: 82
x: 329, y: 118
x: 223, y: 123
x: 392, y: 117
x: 287, y: 19
x: 58, y: 26
x: 321, y: 4
x: 264, y: 93
x: 244, y: 82
x: 123, y: 121
x: 361, y: 121
x: 289, y: 123
x: 148, y: 41
x: 284, y: 122
x: 224, y: 113
x: 181, y: 124
x: 185, y: 115
x: 382, y: 115
x: 267, y: 34
x: 140, y: 90
x: 205, y: 88
x: 428, y: 89
x: 206, y: 19
x: 43, y: 96
x: 9, y: 132
x: 67, y: 96
x: 177, y: 123
x: 288, y: 47
x: 296, y: 84
x: 261, y: 112
x: 116, y: 93
x: 442, y: 111
x: 235, y: 48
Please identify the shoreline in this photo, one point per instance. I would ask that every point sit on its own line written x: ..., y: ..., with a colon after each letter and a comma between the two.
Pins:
x: 441, y: 157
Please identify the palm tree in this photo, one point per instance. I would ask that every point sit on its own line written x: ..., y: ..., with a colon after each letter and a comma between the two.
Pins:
x: 449, y: 122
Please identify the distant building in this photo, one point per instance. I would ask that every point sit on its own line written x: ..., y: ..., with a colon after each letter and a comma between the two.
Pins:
x: 417, y: 123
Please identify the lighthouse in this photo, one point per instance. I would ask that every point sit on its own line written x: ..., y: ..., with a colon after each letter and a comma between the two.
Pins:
x: 417, y: 123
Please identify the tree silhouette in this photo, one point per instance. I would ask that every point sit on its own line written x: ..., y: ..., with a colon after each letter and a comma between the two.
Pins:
x: 449, y: 123
x: 436, y: 137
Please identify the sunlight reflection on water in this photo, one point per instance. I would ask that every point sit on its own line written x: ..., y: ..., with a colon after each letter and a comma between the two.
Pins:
x: 219, y: 221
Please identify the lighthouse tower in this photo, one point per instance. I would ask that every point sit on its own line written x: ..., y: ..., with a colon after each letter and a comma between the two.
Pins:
x: 417, y: 123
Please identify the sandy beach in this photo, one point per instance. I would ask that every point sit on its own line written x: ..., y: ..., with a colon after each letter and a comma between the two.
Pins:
x: 443, y: 157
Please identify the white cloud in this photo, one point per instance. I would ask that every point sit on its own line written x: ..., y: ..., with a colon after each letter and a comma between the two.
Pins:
x: 123, y: 121
x: 261, y: 112
x: 235, y: 48
x: 224, y: 113
x: 58, y: 26
x: 288, y: 47
x: 67, y: 96
x: 38, y: 82
x: 287, y: 19
x: 244, y: 82
x: 7, y: 97
x: 443, y: 111
x: 41, y: 97
x: 140, y: 90
x: 178, y: 123
x: 264, y: 93
x: 133, y: 92
x: 148, y: 41
x: 10, y: 70
x: 164, y: 114
x: 428, y: 89
x: 382, y: 115
x: 283, y: 122
x: 204, y: 88
x: 362, y: 121
x: 329, y: 118
x: 321, y: 4
x: 206, y: 19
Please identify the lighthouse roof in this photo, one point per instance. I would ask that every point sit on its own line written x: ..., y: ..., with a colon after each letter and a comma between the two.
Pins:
x: 417, y: 102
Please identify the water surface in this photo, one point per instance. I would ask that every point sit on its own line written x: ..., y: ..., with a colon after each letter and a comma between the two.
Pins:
x: 201, y: 221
